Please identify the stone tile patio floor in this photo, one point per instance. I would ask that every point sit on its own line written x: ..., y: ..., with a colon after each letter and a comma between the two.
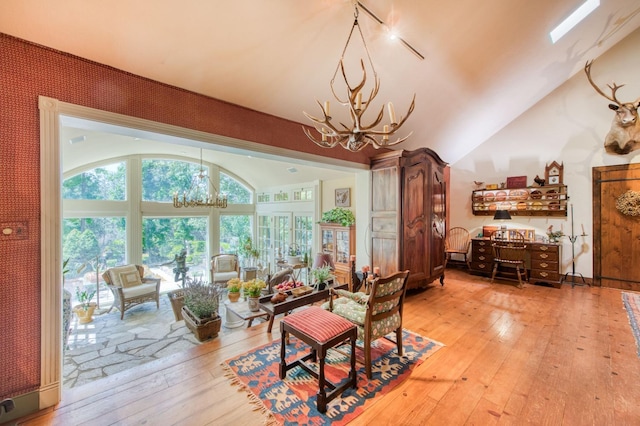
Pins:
x: 109, y: 345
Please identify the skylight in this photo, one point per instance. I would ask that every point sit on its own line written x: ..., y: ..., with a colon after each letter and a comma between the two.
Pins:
x: 574, y: 19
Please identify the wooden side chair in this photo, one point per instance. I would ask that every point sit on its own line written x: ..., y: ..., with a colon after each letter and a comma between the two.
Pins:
x: 376, y: 314
x: 511, y: 252
x: 457, y: 242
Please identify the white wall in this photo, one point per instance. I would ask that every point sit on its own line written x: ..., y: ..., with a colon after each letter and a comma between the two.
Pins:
x: 569, y: 126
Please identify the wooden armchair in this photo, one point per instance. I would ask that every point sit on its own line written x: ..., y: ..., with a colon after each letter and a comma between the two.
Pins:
x: 376, y: 314
x: 457, y: 242
x: 130, y: 288
x: 223, y: 268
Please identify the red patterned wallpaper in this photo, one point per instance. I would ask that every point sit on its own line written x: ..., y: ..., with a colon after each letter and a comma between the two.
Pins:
x: 27, y: 71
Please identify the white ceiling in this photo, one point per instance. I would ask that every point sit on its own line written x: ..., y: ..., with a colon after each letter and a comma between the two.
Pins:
x: 485, y: 62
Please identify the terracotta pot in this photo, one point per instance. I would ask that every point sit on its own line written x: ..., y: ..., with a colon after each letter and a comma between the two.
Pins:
x: 85, y: 316
x: 233, y: 297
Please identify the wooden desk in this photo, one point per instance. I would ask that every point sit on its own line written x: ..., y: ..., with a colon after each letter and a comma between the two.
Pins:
x: 543, y: 260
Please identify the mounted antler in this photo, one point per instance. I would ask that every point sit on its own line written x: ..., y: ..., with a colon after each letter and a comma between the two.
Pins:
x: 358, y: 136
x: 624, y: 135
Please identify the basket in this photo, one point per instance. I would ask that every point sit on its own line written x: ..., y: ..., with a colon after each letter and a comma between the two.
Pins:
x: 301, y: 291
x: 202, y: 329
x: 176, y: 297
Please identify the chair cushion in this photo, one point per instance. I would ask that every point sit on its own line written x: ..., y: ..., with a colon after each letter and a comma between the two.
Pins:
x: 224, y: 276
x: 139, y: 290
x: 114, y: 274
x: 130, y: 279
x: 317, y: 323
x: 225, y: 264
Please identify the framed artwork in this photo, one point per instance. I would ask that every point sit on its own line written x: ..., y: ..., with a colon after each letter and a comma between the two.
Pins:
x: 343, y: 197
x: 517, y: 182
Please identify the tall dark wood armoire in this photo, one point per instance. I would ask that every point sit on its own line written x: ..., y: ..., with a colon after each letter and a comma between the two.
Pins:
x: 408, y: 214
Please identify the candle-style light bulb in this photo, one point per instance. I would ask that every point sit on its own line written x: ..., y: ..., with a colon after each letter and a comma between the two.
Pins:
x: 392, y: 113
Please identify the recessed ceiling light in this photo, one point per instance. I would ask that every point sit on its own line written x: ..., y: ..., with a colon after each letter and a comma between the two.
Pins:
x: 574, y: 19
x: 292, y: 170
x: 77, y: 139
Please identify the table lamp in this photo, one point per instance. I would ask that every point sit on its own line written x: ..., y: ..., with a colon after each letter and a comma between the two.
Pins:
x: 502, y: 215
x: 323, y: 259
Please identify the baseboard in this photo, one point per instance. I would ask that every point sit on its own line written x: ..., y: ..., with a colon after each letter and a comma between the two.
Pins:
x: 25, y: 404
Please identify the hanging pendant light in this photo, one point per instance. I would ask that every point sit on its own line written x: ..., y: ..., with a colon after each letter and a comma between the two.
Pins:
x: 201, y: 193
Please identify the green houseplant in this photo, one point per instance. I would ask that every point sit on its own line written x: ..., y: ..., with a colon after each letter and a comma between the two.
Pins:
x: 200, y: 310
x: 248, y: 252
x: 321, y: 276
x: 85, y: 308
x: 339, y: 215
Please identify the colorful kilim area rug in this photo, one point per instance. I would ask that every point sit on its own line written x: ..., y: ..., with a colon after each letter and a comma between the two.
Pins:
x: 293, y: 400
x: 631, y: 303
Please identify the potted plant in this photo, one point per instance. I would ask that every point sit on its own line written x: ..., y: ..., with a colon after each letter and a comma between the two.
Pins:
x: 234, y: 286
x: 253, y: 290
x: 248, y: 252
x: 321, y: 276
x: 554, y: 236
x: 293, y: 255
x: 84, y: 310
x: 339, y: 215
x: 200, y: 310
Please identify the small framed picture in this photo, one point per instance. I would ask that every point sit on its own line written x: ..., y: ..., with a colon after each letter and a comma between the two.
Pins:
x: 517, y: 182
x: 343, y: 197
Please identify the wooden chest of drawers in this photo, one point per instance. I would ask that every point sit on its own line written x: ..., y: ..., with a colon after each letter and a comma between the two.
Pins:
x: 543, y: 260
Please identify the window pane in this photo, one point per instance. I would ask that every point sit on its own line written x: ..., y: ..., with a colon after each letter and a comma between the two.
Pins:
x: 87, y: 240
x: 162, y: 178
x: 236, y: 192
x: 233, y: 229
x: 164, y: 238
x: 101, y: 183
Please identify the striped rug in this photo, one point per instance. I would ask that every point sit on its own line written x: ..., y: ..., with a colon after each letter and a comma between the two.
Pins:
x: 631, y: 303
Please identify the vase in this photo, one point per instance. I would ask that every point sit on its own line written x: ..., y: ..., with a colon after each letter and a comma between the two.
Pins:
x: 233, y: 296
x: 202, y: 328
x: 254, y: 305
x: 85, y: 316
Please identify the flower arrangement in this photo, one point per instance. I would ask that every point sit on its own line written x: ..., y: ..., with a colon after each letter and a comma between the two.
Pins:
x: 554, y: 236
x: 322, y: 274
x: 253, y: 288
x: 293, y: 250
x: 234, y: 285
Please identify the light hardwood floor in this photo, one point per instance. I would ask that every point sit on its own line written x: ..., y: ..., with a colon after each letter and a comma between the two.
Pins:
x: 535, y: 355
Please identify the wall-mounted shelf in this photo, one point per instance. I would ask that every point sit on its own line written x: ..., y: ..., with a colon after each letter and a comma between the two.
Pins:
x: 550, y: 200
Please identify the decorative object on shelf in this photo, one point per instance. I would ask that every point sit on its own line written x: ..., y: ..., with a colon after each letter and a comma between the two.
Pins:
x: 492, y: 186
x: 234, y: 286
x: 479, y: 185
x: 553, y: 173
x: 339, y: 215
x: 84, y: 311
x: 343, y: 197
x: 629, y: 203
x: 199, y: 193
x: 358, y: 135
x: 200, y: 310
x: 534, y: 201
x: 624, y: 134
x: 554, y: 236
x: 293, y: 255
x: 516, y: 182
x: 539, y: 180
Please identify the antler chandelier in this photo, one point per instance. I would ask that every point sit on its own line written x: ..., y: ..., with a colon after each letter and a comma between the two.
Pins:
x: 198, y: 194
x: 357, y: 135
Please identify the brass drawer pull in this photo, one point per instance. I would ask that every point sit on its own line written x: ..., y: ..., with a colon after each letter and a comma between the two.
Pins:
x: 544, y: 255
x: 544, y: 264
x: 481, y: 258
x: 482, y: 266
x: 544, y: 274
x: 481, y: 250
x: 544, y: 248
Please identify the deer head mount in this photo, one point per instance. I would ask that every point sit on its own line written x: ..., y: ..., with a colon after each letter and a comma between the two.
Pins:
x: 624, y: 135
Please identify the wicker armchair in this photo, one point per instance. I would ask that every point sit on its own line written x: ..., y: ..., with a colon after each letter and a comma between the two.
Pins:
x: 130, y: 288
x: 223, y: 268
x: 376, y: 314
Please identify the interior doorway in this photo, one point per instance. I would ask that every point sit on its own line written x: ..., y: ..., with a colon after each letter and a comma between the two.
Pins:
x: 616, y: 223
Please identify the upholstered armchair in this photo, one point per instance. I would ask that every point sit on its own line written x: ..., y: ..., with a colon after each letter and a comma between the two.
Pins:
x: 223, y: 268
x: 130, y: 288
x: 376, y: 314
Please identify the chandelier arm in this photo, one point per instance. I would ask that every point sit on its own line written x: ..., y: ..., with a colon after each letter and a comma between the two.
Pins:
x: 402, y: 120
x: 325, y: 122
x: 375, y: 123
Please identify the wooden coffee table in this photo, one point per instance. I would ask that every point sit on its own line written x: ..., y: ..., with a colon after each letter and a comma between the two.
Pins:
x: 241, y: 310
x: 291, y: 303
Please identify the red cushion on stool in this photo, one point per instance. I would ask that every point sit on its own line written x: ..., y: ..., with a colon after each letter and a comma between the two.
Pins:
x: 317, y: 323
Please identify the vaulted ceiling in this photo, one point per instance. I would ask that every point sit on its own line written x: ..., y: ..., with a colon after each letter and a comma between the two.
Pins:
x: 485, y: 63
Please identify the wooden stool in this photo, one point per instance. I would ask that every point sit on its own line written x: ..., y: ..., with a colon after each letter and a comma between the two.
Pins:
x: 321, y: 330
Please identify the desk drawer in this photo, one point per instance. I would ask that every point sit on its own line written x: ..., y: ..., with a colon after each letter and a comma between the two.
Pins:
x: 545, y: 275
x: 545, y: 256
x: 545, y: 265
x: 482, y: 266
x: 482, y: 251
